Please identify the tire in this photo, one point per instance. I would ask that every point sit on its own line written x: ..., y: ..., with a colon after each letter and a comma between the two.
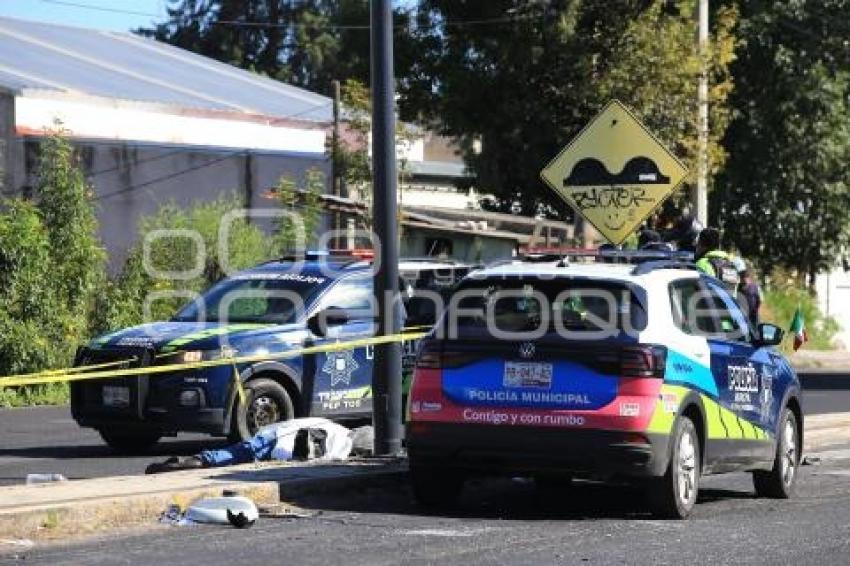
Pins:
x: 268, y: 402
x: 435, y: 487
x: 779, y: 482
x: 673, y: 495
x: 126, y: 442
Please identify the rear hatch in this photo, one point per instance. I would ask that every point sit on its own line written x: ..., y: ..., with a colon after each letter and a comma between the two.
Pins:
x: 530, y: 374
x: 566, y: 344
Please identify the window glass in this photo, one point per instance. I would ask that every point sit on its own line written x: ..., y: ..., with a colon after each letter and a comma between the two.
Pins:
x: 353, y: 295
x: 740, y: 326
x: 519, y: 305
x: 255, y: 298
x: 706, y: 311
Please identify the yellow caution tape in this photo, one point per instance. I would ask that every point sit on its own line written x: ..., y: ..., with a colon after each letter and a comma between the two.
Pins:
x: 240, y: 388
x: 78, y: 369
x: 77, y: 375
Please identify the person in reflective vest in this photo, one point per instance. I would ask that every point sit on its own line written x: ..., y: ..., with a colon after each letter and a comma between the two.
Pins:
x: 713, y: 261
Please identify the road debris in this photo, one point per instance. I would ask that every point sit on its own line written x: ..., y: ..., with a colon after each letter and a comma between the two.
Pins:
x: 44, y: 478
x: 811, y: 461
x: 237, y: 511
x: 22, y: 543
x: 282, y: 512
x: 174, y: 516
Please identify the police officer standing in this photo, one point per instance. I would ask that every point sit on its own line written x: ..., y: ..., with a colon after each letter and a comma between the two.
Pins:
x: 713, y: 261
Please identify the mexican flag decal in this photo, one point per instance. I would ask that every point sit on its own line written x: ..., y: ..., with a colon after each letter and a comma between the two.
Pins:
x: 798, y: 328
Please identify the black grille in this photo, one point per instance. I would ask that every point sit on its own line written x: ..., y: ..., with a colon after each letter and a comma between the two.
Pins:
x: 87, y: 395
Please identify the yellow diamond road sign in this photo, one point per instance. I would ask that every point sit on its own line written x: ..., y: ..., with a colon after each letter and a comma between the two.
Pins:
x: 615, y: 173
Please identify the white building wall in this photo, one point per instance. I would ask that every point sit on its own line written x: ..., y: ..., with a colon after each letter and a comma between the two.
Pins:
x: 833, y: 291
x: 122, y: 121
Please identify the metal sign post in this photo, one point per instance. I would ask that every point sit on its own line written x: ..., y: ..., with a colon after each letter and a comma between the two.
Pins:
x: 386, y: 376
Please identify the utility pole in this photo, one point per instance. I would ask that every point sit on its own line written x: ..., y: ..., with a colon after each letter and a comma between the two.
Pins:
x: 336, y: 173
x: 386, y: 372
x: 699, y: 195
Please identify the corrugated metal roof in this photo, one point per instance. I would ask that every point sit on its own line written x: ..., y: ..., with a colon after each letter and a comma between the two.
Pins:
x: 36, y: 55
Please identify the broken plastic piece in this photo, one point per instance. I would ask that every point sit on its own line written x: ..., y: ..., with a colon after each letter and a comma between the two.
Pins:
x: 239, y: 520
x: 173, y: 516
x: 215, y: 509
x: 44, y: 478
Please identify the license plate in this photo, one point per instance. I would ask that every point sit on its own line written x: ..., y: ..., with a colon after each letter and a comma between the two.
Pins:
x: 116, y: 396
x: 536, y: 375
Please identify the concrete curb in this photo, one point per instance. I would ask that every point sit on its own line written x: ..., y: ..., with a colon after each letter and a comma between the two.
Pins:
x: 826, y: 430
x: 84, y: 507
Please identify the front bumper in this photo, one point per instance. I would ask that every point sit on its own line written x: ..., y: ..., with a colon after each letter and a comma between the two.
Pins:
x: 210, y: 421
x: 500, y: 450
x: 153, y: 401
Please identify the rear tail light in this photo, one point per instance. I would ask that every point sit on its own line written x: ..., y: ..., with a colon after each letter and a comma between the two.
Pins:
x: 643, y: 361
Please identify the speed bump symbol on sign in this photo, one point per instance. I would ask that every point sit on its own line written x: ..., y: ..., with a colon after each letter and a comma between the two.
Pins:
x: 615, y: 173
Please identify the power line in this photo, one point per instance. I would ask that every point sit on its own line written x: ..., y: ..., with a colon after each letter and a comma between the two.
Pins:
x: 227, y: 155
x: 365, y: 27
x: 94, y: 174
x: 101, y: 8
x: 273, y: 25
x: 166, y: 177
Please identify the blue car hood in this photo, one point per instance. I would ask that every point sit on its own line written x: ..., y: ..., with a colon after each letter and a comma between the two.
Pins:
x: 173, y: 336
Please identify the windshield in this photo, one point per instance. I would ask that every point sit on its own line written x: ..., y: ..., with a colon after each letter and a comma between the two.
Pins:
x: 261, y: 298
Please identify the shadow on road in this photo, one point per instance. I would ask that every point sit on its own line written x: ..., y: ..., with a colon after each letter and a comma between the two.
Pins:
x: 514, y: 499
x: 167, y: 448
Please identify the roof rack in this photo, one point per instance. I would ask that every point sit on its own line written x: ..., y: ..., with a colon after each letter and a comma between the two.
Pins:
x: 433, y: 259
x: 607, y: 256
x: 654, y: 265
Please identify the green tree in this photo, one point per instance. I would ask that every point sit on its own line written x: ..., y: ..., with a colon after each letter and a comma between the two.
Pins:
x: 784, y: 197
x: 352, y: 150
x: 515, y: 90
x: 76, y: 255
x: 123, y: 299
x: 51, y: 264
x: 31, y: 315
x: 303, y: 204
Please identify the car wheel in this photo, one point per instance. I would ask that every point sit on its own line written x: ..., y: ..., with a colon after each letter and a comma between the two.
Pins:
x: 674, y: 495
x: 779, y: 482
x: 126, y: 442
x: 435, y: 486
x: 267, y: 403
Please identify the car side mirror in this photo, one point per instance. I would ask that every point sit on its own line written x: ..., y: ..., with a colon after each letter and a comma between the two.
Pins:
x: 320, y: 322
x: 770, y: 335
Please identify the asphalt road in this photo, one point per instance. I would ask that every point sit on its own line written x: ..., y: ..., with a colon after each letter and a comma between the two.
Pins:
x: 47, y: 440
x: 511, y: 522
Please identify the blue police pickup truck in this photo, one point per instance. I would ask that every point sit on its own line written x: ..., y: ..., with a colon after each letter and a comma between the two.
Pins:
x: 269, y: 309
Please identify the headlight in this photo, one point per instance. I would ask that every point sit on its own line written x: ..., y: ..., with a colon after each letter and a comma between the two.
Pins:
x: 189, y: 357
x: 194, y: 356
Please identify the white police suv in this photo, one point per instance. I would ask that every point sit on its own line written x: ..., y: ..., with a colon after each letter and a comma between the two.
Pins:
x: 648, y: 372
